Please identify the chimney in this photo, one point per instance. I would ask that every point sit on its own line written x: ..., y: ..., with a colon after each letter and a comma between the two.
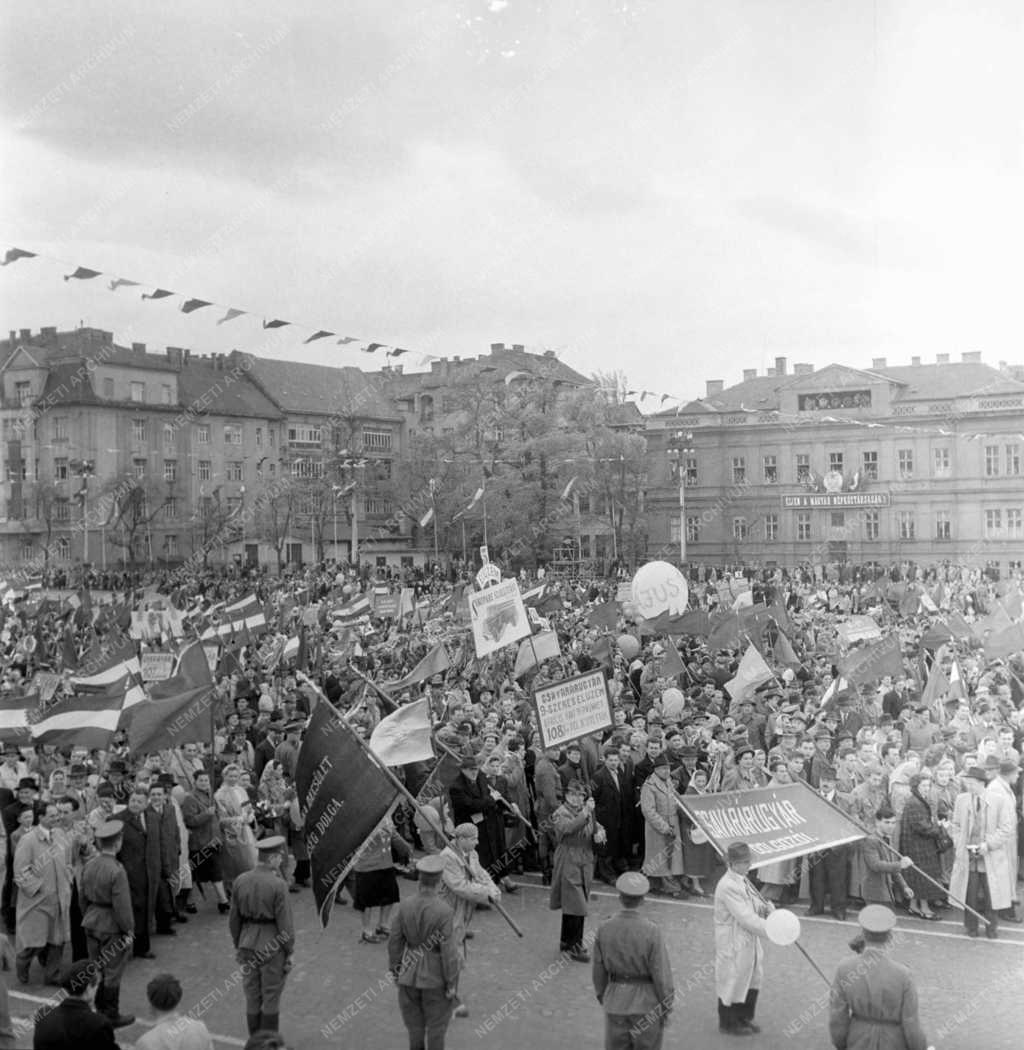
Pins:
x: 175, y: 355
x: 456, y: 358
x: 915, y: 361
x: 547, y: 353
x: 803, y: 370
x: 780, y: 366
x: 435, y: 367
x: 878, y: 362
x: 14, y: 336
x: 521, y: 346
x: 715, y: 386
x: 139, y: 348
x: 26, y: 335
x: 748, y: 374
x: 496, y: 348
x: 974, y: 357
x: 49, y: 334
x: 187, y: 355
x: 769, y: 372
x: 942, y: 359
x: 1003, y: 366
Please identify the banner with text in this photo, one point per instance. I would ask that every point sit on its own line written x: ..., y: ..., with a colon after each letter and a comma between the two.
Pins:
x: 498, y: 617
x: 573, y: 708
x: 778, y: 823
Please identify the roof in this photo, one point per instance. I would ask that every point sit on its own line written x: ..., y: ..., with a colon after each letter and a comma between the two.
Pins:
x: 760, y: 394
x: 323, y: 390
x: 68, y: 382
x: 956, y: 379
x: 497, y: 364
x: 200, y: 382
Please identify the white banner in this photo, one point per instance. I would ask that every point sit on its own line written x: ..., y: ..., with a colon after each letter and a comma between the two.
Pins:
x: 157, y: 666
x: 498, y: 617
x: 573, y: 708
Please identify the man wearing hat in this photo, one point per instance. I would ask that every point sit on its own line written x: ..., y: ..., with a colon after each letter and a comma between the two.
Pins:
x: 829, y: 871
x: 263, y: 934
x: 26, y: 799
x: 1000, y: 845
x: 423, y: 958
x: 972, y: 879
x: 108, y: 920
x: 739, y: 955
x: 873, y: 1002
x: 632, y: 972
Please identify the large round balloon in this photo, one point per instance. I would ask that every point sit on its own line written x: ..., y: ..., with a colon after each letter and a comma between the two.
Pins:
x: 782, y: 927
x: 628, y: 645
x: 672, y: 704
x: 698, y: 836
x: 659, y: 587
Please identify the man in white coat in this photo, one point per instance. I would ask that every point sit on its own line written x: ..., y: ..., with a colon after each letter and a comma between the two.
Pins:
x: 739, y: 954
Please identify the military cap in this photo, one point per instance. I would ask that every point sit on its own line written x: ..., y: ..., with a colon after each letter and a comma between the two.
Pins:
x: 632, y: 884
x: 876, y: 918
x: 268, y: 845
x: 110, y: 830
x: 432, y: 864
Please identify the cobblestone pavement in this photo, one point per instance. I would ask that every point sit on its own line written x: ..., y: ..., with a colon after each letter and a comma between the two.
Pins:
x: 523, y: 993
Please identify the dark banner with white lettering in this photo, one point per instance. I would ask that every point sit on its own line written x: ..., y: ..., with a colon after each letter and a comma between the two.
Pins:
x: 343, y: 795
x: 778, y: 823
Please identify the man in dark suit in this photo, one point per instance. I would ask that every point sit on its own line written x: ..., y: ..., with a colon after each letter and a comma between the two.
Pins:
x: 73, y: 1024
x: 26, y: 798
x: 850, y: 720
x: 140, y: 855
x: 613, y: 800
x: 472, y: 803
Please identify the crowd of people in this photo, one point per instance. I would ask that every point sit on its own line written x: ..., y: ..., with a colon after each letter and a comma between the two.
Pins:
x: 933, y: 781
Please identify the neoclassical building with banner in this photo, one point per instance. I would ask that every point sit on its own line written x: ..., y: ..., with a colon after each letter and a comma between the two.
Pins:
x: 915, y: 463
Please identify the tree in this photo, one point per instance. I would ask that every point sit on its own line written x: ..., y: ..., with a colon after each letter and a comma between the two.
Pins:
x: 134, y: 507
x: 273, y: 514
x: 213, y: 527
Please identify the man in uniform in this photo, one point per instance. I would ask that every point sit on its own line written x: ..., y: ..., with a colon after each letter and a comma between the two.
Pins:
x: 263, y: 934
x: 108, y: 920
x: 873, y: 1002
x: 423, y: 957
x: 632, y: 973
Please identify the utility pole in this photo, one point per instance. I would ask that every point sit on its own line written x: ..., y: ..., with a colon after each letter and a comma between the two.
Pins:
x: 680, y: 448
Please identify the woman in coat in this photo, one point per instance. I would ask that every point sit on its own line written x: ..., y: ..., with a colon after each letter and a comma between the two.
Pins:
x: 576, y: 831
x: 941, y: 798
x: 663, y: 837
x: 777, y: 879
x: 919, y: 839
x: 235, y: 810
x: 698, y: 857
x: 43, y: 877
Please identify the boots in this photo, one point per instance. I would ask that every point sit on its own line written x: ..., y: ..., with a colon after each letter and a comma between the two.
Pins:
x: 268, y: 1022
x: 111, y: 1007
x: 253, y: 1021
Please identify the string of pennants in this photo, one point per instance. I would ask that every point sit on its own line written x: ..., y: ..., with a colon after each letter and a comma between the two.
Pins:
x: 190, y: 304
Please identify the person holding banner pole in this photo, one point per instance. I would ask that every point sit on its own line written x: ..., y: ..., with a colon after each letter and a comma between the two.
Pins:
x: 576, y: 832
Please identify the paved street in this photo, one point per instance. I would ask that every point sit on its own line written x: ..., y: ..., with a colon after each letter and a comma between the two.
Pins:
x: 522, y: 993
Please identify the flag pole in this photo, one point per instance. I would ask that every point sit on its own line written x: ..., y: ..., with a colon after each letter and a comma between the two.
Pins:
x: 402, y: 789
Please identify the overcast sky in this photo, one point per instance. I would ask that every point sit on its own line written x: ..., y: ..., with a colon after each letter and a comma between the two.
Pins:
x: 680, y: 190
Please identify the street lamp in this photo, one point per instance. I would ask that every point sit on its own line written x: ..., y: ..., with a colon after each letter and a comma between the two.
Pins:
x: 241, y: 493
x: 680, y: 447
x: 85, y: 469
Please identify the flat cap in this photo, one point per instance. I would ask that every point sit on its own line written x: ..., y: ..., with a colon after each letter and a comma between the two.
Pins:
x: 268, y: 845
x: 632, y: 884
x: 876, y: 918
x: 110, y: 830
x: 432, y: 864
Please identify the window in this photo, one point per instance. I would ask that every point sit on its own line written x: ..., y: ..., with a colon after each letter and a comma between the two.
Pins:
x: 60, y: 469
x: 771, y: 470
x: 771, y: 527
x: 62, y: 549
x: 991, y: 461
x: 941, y: 462
x: 259, y: 437
x: 906, y: 525
x: 740, y: 529
x: 380, y: 440
x: 674, y: 529
x: 23, y: 393
x: 583, y: 502
x: 205, y: 472
x: 165, y: 394
x: 170, y: 508
x: 139, y: 467
x: 869, y: 465
x: 993, y: 523
x: 272, y: 434
x: 60, y: 428
x: 138, y: 430
x: 838, y: 519
x: 205, y: 508
x: 27, y: 550
x: 234, y: 504
x: 273, y: 468
x: 690, y: 470
x: 943, y: 525
x: 803, y: 467
x: 905, y: 462
x: 304, y: 436
x: 137, y: 392
x: 693, y: 529
x: 871, y: 525
x: 1013, y: 460
x: 739, y: 470
x: 108, y: 389
x: 307, y: 468
x: 168, y: 435
x: 170, y: 470
x: 381, y: 469
x: 835, y: 461
x: 1013, y: 523
x: 232, y: 434
x: 203, y: 434
x: 61, y: 510
x: 426, y: 408
x: 171, y: 546
x: 234, y: 471
x: 803, y: 526
x: 377, y: 507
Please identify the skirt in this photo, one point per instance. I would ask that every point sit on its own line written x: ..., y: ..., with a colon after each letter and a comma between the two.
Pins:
x: 205, y: 865
x: 375, y: 889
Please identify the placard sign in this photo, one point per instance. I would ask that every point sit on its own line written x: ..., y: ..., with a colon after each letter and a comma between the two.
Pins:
x: 385, y: 605
x: 572, y: 708
x: 157, y: 666
x: 212, y: 657
x: 46, y: 682
x: 498, y: 617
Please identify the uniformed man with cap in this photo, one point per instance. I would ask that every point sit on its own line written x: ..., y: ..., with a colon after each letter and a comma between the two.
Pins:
x: 632, y: 972
x: 424, y: 959
x: 873, y: 1002
x: 263, y: 934
x: 108, y: 920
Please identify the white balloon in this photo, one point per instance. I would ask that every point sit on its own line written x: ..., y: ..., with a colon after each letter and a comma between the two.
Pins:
x: 698, y: 836
x: 659, y: 587
x: 783, y: 927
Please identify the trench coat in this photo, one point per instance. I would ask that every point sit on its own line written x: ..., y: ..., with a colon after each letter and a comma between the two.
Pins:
x: 573, y: 869
x: 140, y: 855
x: 919, y: 834
x: 43, y: 875
x: 739, y: 927
x: 998, y: 822
x: 663, y: 833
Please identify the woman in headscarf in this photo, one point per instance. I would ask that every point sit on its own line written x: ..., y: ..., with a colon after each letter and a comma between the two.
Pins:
x: 899, y: 788
x: 58, y: 786
x: 942, y: 798
x: 236, y: 819
x: 919, y: 840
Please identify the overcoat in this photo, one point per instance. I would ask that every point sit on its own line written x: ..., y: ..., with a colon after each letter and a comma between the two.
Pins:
x: 997, y: 823
x: 919, y: 835
x: 739, y: 927
x: 663, y: 833
x: 140, y: 855
x: 43, y: 875
x: 573, y: 868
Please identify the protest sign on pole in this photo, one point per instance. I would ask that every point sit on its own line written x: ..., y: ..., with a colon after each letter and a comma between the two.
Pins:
x: 778, y: 823
x: 498, y: 617
x: 572, y: 708
x: 212, y: 656
x: 46, y: 682
x: 157, y: 666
